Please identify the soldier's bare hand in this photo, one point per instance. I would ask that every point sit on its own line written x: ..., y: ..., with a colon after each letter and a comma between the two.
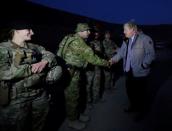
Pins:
x: 38, y: 67
x: 110, y: 61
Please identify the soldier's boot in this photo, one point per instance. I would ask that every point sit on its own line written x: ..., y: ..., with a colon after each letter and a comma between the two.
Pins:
x: 77, y: 125
x: 102, y: 100
x: 96, y: 100
x: 88, y: 109
x: 84, y: 118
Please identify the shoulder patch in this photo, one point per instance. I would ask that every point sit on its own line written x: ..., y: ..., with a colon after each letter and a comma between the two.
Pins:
x: 150, y: 42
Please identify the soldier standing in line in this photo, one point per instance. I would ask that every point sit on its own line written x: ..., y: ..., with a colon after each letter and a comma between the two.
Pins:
x: 77, y: 54
x: 25, y: 69
x: 109, y: 49
x: 94, y: 89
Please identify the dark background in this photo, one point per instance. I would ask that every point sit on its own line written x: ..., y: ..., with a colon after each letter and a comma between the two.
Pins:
x: 50, y: 25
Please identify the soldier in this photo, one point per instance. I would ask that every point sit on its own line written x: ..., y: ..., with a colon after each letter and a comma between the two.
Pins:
x: 24, y: 70
x: 77, y: 55
x: 109, y: 49
x: 93, y: 89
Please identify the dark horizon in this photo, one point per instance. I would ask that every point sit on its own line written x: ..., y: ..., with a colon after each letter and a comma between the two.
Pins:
x: 47, y: 19
x: 144, y: 12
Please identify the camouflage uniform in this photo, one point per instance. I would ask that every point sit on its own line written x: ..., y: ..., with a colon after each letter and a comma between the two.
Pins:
x: 77, y: 55
x: 94, y: 76
x: 89, y: 82
x: 109, y: 49
x: 25, y: 104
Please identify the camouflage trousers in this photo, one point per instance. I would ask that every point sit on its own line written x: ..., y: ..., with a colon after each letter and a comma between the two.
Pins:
x: 90, y: 78
x: 72, y: 96
x: 28, y: 115
x: 108, y: 79
x: 28, y: 105
x: 93, y: 84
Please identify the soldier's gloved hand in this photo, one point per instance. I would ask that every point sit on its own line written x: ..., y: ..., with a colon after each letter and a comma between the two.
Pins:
x: 38, y: 67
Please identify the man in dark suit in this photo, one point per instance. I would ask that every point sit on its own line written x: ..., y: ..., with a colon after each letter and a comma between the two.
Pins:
x: 137, y: 54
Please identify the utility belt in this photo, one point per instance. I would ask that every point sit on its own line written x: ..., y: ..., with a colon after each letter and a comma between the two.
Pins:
x: 27, y: 87
x: 25, y: 94
x: 9, y: 94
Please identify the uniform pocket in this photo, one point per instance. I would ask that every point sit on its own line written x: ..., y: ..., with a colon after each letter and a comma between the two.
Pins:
x: 4, y: 93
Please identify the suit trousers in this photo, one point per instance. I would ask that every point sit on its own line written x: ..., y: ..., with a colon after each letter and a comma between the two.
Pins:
x: 136, y: 88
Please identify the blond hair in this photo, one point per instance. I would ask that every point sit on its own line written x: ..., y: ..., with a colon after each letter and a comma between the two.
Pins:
x: 131, y: 25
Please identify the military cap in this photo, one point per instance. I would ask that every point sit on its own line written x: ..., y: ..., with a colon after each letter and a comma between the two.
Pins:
x: 20, y: 24
x: 82, y: 27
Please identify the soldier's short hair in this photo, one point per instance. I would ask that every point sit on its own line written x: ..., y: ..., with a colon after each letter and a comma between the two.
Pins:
x: 82, y: 27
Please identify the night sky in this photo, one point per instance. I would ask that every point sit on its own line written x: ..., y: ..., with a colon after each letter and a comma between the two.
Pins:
x: 146, y: 12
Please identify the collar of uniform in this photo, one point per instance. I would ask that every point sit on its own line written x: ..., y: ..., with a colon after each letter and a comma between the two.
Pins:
x: 14, y: 45
x: 79, y: 37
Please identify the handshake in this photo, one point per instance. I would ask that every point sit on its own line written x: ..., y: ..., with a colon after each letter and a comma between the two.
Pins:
x: 110, y: 62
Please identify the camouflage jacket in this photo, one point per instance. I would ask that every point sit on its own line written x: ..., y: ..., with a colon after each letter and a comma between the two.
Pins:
x: 76, y: 52
x: 109, y: 47
x: 97, y: 47
x: 15, y: 61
